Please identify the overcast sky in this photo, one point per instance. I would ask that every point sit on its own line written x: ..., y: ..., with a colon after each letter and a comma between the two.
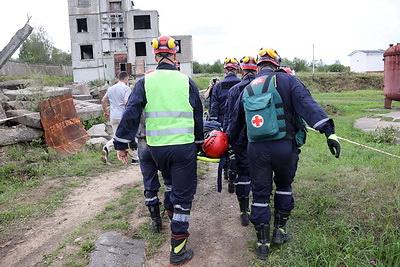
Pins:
x: 228, y: 29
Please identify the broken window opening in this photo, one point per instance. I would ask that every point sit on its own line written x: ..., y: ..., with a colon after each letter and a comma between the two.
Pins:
x: 82, y: 25
x: 140, y: 49
x: 122, y: 66
x: 141, y: 22
x: 86, y: 51
x: 115, y: 6
x: 83, y: 3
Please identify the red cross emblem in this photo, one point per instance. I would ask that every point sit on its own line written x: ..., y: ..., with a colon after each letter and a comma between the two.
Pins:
x: 257, y: 121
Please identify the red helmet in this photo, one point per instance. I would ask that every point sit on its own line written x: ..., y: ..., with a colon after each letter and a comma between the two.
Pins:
x: 248, y: 63
x: 164, y: 44
x: 231, y: 62
x: 268, y: 54
x: 216, y: 144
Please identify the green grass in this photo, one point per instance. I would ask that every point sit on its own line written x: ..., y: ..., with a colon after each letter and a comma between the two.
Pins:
x: 38, y: 79
x: 347, y: 209
x: 116, y: 216
x: 32, y: 183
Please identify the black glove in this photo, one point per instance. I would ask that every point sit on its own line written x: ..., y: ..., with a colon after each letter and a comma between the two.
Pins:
x: 133, y: 145
x: 199, y: 147
x: 334, y: 145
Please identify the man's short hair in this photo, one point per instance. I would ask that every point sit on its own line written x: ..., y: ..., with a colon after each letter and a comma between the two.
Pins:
x: 164, y: 54
x: 122, y: 75
x: 230, y: 69
x: 267, y: 64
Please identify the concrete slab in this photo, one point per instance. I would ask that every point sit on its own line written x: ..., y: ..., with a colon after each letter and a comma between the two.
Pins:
x: 372, y: 122
x: 31, y: 119
x: 114, y: 250
x: 17, y: 134
x: 33, y: 93
x: 87, y: 110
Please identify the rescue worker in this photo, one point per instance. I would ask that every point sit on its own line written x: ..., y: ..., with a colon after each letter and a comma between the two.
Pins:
x: 275, y: 161
x: 218, y: 110
x: 220, y: 90
x: 242, y: 182
x: 174, y: 134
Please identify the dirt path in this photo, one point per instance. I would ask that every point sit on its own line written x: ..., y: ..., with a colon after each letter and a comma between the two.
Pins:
x: 27, y: 247
x: 217, y: 237
x: 216, y: 234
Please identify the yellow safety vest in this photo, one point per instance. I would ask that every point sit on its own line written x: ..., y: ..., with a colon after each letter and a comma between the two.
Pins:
x: 168, y: 113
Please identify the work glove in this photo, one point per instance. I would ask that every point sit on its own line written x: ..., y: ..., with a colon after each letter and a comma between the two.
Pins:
x: 334, y: 145
x: 199, y: 147
x: 133, y: 145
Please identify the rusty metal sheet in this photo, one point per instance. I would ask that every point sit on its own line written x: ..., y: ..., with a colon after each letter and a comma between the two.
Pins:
x: 63, y: 129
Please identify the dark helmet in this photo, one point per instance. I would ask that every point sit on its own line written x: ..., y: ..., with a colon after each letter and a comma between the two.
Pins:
x: 216, y: 144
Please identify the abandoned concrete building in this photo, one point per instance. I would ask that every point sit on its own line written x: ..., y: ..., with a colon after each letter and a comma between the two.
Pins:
x: 109, y: 36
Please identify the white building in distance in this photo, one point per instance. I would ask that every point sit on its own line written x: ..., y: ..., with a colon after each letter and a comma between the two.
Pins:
x: 110, y: 36
x: 363, y: 61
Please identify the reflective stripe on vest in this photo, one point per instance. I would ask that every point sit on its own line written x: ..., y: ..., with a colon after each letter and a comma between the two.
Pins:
x: 168, y: 113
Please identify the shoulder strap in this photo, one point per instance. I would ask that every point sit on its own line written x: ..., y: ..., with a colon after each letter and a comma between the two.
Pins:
x: 250, y: 91
x: 266, y: 83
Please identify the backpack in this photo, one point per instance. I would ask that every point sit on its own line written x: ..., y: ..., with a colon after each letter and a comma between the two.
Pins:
x: 265, y: 113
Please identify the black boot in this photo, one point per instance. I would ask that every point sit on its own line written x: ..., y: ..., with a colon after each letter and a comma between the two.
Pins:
x: 231, y: 179
x: 280, y: 235
x: 156, y: 222
x: 179, y: 254
x: 263, y: 243
x: 244, y: 210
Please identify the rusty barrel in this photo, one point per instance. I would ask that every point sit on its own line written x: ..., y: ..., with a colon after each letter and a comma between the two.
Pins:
x: 391, y: 81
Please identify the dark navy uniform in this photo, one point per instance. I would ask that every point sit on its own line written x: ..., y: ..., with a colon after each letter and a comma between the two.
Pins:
x: 219, y: 97
x: 178, y: 161
x: 242, y: 184
x: 276, y: 161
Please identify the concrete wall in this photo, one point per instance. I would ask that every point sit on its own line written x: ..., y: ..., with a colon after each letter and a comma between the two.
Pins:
x: 12, y: 68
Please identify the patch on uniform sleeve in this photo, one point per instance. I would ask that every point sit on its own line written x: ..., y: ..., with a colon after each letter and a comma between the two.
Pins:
x: 258, y: 81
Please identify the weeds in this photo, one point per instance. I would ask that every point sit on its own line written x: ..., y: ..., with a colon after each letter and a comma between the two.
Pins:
x: 384, y: 134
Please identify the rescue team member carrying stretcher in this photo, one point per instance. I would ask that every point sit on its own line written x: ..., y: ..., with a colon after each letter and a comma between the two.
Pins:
x: 273, y: 154
x: 218, y: 111
x: 174, y: 133
x: 242, y: 182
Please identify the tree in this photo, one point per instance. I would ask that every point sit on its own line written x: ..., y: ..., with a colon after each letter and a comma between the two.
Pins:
x: 197, y: 67
x: 300, y: 65
x: 60, y: 57
x: 337, y: 67
x: 38, y: 48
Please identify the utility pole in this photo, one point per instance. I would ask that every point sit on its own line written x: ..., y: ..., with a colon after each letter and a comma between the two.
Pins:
x: 313, y: 61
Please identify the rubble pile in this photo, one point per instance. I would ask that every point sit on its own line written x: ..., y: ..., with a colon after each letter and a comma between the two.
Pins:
x: 20, y: 119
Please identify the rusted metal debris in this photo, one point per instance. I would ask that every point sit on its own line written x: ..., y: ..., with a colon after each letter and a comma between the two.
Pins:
x: 63, y: 129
